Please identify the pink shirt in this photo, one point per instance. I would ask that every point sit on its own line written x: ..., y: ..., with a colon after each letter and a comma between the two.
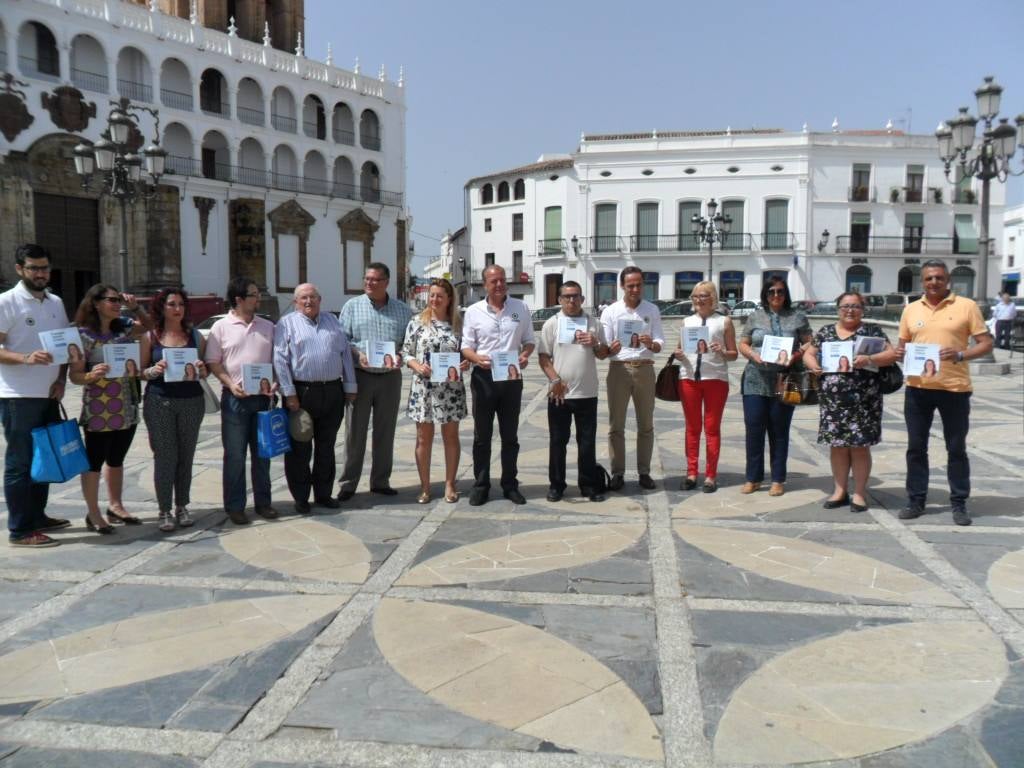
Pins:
x: 233, y: 343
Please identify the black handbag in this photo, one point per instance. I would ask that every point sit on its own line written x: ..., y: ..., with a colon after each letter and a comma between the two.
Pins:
x: 890, y: 378
x: 667, y: 385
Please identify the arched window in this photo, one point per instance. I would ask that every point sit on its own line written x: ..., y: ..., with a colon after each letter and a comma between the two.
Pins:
x: 344, y: 127
x: 369, y: 130
x: 908, y: 280
x: 858, y: 278
x: 88, y: 64
x: 519, y: 192
x: 314, y: 118
x: 486, y: 194
x: 213, y: 94
x: 503, y: 192
x: 961, y: 280
x: 37, y: 51
x: 369, y: 182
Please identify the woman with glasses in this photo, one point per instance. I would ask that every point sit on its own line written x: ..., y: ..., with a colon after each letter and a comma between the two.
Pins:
x: 436, y: 329
x: 763, y: 413
x: 850, y: 403
x: 173, y: 410
x: 110, y: 405
x: 704, y: 383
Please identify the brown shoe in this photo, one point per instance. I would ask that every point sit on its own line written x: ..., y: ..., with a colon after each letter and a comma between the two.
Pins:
x: 238, y: 516
x: 776, y: 490
x: 267, y: 512
x: 750, y: 487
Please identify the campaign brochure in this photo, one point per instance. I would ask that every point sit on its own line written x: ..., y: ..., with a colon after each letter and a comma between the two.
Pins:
x: 868, y: 345
x: 64, y: 345
x: 181, y: 364
x: 571, y: 328
x: 381, y: 354
x: 921, y: 360
x: 629, y: 333
x: 777, y: 349
x: 257, y: 378
x: 122, y: 360
x: 696, y: 339
x: 444, y: 366
x: 505, y: 366
x: 837, y: 356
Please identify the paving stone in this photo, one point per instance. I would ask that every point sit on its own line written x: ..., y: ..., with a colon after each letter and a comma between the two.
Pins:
x: 954, y: 748
x: 207, y: 716
x: 20, y: 597
x: 30, y: 757
x: 1002, y: 735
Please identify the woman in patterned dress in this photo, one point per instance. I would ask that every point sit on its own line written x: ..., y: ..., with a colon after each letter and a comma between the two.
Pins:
x: 110, y: 406
x: 850, y: 415
x: 436, y: 329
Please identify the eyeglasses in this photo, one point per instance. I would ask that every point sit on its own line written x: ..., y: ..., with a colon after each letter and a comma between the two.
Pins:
x: 33, y: 268
x: 851, y: 307
x: 776, y: 291
x: 111, y: 299
x: 571, y: 297
x: 701, y: 297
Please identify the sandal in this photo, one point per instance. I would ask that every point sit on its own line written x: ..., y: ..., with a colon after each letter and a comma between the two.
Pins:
x: 125, y: 519
x: 166, y: 521
x: 183, y: 517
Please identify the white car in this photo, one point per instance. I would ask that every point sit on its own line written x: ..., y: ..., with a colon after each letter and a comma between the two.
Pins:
x: 744, y: 308
x: 205, y: 326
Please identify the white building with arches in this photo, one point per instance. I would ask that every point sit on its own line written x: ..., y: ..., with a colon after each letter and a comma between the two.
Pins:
x: 628, y: 199
x: 279, y: 167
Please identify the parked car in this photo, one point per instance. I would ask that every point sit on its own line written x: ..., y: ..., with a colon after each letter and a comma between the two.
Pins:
x: 205, y: 326
x: 679, y: 309
x: 826, y: 308
x: 538, y: 316
x: 662, y: 304
x: 744, y: 308
x: 804, y: 305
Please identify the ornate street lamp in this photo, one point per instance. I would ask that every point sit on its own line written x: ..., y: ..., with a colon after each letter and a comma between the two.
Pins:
x: 121, y: 169
x: 711, y: 229
x: 991, y: 159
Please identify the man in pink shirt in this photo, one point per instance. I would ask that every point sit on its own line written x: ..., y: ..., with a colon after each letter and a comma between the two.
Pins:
x: 240, y: 338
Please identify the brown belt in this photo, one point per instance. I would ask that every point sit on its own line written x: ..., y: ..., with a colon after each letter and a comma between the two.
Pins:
x: 632, y: 363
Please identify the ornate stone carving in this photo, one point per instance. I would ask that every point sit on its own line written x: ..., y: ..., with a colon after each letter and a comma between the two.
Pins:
x: 68, y: 108
x: 14, y: 114
x: 247, y: 239
x: 355, y: 227
x: 204, y: 205
x: 290, y: 218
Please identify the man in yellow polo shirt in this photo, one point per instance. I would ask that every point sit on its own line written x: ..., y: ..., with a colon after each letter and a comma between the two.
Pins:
x: 943, y: 318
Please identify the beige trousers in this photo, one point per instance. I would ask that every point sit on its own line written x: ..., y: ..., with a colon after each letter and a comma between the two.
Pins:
x: 625, y: 382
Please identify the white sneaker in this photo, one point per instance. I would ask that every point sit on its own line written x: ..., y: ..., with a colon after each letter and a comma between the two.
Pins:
x: 184, y: 518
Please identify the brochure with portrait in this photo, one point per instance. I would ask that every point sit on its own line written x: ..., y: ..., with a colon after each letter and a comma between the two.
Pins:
x: 837, y: 356
x: 381, y: 354
x: 629, y: 333
x: 571, y: 328
x: 777, y: 349
x: 868, y: 345
x: 64, y: 345
x: 505, y: 366
x: 181, y: 364
x: 921, y: 360
x: 444, y: 366
x: 123, y: 360
x: 696, y: 339
x: 257, y: 378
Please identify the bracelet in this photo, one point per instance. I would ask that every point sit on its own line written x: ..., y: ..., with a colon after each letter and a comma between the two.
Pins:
x: 556, y: 380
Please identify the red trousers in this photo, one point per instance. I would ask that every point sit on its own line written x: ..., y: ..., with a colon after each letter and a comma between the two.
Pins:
x: 707, y: 397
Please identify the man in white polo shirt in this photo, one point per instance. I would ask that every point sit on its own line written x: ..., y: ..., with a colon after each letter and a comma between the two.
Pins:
x: 30, y: 388
x: 498, y: 323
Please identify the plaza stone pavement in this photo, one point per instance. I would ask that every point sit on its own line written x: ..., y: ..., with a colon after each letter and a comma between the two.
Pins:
x: 658, y: 628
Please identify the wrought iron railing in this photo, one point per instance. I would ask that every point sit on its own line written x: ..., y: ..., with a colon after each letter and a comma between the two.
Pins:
x: 90, y: 81
x: 32, y: 67
x: 910, y: 244
x: 862, y: 194
x: 176, y: 99
x: 314, y: 129
x: 135, y: 91
x: 550, y: 246
x: 369, y: 141
x: 343, y: 136
x: 284, y: 123
x: 250, y: 116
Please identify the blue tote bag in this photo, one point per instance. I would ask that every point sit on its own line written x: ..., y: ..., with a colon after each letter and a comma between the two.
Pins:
x: 272, y: 433
x: 58, y: 453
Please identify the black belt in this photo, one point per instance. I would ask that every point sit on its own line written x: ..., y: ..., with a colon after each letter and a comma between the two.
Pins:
x: 330, y: 383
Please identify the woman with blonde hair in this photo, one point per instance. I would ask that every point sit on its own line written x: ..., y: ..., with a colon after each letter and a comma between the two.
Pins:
x: 704, y: 384
x: 436, y: 329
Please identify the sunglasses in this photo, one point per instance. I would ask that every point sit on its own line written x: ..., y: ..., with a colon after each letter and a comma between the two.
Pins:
x: 111, y: 299
x: 776, y: 292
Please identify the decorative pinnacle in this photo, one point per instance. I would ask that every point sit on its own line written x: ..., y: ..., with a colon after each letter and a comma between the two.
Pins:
x: 835, y: 125
x: 805, y: 129
x: 356, y: 67
x: 888, y: 125
x: 298, y: 47
x: 381, y: 75
x: 266, y: 34
x: 330, y: 56
x: 193, y: 12
x: 401, y: 76
x: 232, y: 29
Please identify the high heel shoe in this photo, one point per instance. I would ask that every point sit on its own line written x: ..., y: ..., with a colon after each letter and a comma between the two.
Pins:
x: 125, y: 519
x: 104, y: 529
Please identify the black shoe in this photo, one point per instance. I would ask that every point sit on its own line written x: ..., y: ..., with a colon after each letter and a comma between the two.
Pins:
x: 327, y: 502
x: 238, y: 516
x: 617, y: 482
x: 688, y: 484
x: 385, y: 490
x: 513, y: 495
x: 710, y: 485
x: 104, y: 529
x: 53, y: 523
x: 961, y: 516
x: 345, y: 495
x: 596, y: 497
x: 478, y: 497
x: 911, y: 511
x: 855, y: 507
x: 647, y: 482
x: 303, y: 508
x: 267, y: 512
x: 554, y: 495
x: 837, y: 503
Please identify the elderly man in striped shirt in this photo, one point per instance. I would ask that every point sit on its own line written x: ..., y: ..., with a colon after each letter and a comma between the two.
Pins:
x: 315, y: 372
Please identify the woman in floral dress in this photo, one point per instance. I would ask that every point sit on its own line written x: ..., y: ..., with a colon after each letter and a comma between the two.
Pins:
x: 436, y: 329
x: 850, y: 403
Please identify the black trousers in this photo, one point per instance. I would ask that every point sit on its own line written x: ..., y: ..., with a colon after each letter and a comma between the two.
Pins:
x: 1004, y: 331
x: 560, y: 418
x: 325, y: 403
x: 503, y: 399
x: 919, y: 407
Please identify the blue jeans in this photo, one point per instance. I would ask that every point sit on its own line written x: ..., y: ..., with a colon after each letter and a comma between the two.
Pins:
x: 761, y: 416
x: 26, y: 500
x: 919, y: 406
x: 238, y: 433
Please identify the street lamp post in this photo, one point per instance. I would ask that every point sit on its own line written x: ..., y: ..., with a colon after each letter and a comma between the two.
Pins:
x: 121, y: 169
x: 991, y: 160
x: 711, y: 229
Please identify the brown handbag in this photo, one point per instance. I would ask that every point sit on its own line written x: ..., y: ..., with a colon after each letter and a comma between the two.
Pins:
x: 667, y: 385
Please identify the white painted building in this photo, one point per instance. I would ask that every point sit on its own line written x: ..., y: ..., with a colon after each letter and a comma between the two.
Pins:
x: 240, y: 119
x: 1012, y: 267
x: 628, y: 199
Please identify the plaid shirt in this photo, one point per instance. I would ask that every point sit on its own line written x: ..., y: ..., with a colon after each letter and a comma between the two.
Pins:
x: 363, y: 322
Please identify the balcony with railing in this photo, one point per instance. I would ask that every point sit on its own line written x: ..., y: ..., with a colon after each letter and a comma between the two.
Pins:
x: 176, y: 99
x: 284, y: 123
x: 908, y: 244
x: 177, y: 165
x: 370, y: 141
x: 342, y: 136
x: 965, y: 196
x: 215, y: 108
x: 861, y: 194
x: 250, y: 116
x: 605, y: 244
x: 135, y: 91
x: 778, y: 241
x: 734, y: 241
x: 551, y: 246
x: 41, y: 69
x: 90, y: 81
x: 314, y: 129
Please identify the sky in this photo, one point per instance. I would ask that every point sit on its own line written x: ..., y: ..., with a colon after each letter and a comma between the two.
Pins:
x: 492, y: 85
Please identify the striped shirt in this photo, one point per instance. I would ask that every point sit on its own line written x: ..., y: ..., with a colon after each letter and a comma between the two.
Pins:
x: 311, y: 350
x: 363, y: 322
